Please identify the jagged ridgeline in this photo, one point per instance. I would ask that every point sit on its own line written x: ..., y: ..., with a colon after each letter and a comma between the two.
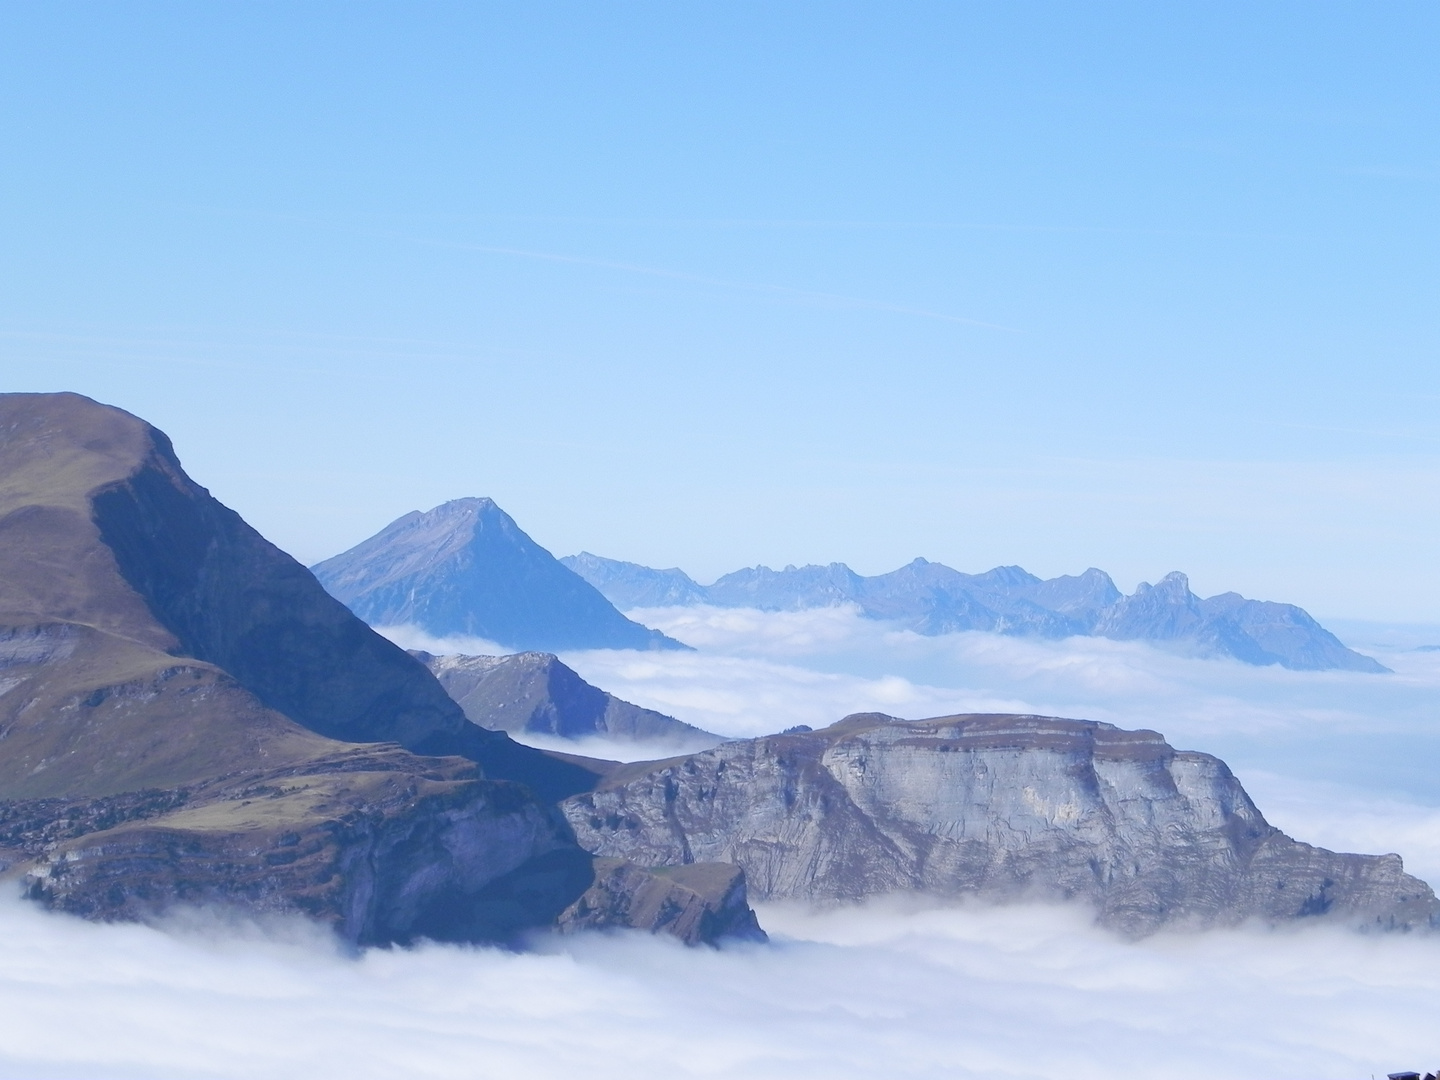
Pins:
x: 187, y: 716
x: 930, y: 598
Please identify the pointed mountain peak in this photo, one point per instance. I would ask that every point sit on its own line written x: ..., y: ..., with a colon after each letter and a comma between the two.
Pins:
x: 465, y: 567
x: 1008, y: 576
x: 459, y: 513
x: 471, y: 504
x: 1174, y: 584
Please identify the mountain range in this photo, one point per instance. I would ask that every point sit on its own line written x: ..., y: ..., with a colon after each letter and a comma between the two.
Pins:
x: 465, y: 568
x: 930, y: 598
x: 187, y: 717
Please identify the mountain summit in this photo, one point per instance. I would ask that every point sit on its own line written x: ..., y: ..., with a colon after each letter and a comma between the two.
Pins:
x: 466, y: 568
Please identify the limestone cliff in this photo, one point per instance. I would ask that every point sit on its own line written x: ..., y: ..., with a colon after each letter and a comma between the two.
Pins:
x: 1002, y: 807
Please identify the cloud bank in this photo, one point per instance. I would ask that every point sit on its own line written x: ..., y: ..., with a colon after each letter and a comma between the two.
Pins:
x: 891, y: 989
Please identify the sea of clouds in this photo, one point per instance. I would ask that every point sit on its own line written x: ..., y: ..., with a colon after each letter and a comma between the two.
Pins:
x: 895, y: 988
x: 887, y: 990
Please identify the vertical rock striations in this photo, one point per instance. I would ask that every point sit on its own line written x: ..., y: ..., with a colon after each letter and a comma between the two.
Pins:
x: 1001, y: 807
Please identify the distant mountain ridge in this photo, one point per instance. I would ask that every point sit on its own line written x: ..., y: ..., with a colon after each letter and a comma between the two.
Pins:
x: 931, y: 598
x: 466, y: 568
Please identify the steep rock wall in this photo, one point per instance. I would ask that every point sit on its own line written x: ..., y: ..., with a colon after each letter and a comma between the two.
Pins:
x: 1003, y: 807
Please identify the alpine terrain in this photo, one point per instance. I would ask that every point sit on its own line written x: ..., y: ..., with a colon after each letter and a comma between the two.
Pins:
x: 187, y: 717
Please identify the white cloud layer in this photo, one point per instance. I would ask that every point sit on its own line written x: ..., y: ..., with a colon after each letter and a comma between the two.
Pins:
x: 1125, y: 682
x: 892, y: 990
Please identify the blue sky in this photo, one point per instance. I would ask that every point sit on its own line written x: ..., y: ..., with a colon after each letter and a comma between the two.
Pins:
x: 1138, y: 286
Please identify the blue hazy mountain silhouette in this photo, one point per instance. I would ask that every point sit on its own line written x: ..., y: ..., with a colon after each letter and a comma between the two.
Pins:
x: 466, y: 568
x: 931, y: 598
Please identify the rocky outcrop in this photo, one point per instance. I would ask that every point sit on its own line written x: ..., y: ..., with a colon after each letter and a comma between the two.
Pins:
x: 466, y: 568
x: 931, y: 598
x: 698, y: 903
x: 1001, y: 807
x: 187, y: 717
x: 535, y: 693
x: 381, y: 845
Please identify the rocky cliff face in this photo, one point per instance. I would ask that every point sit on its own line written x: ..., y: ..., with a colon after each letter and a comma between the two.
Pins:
x: 466, y: 568
x: 536, y: 693
x: 380, y: 844
x: 698, y: 903
x: 186, y: 716
x: 1000, y: 807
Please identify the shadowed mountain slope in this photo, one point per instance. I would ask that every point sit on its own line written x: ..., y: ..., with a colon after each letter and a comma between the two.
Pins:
x: 995, y: 806
x: 180, y: 708
x: 930, y: 598
x: 537, y: 694
x: 466, y: 568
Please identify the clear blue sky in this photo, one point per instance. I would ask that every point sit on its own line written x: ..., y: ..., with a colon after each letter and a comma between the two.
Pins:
x: 1142, y: 286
